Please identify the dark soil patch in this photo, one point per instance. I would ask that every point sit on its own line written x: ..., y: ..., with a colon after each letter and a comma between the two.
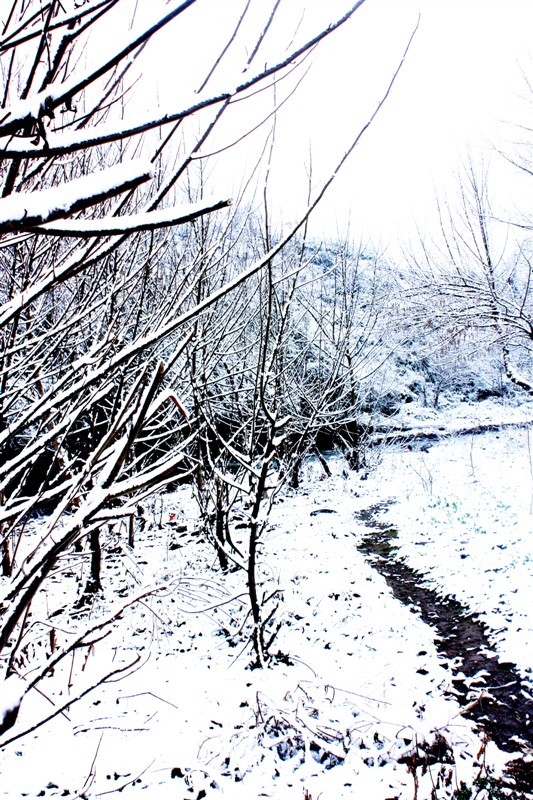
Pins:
x: 504, y: 708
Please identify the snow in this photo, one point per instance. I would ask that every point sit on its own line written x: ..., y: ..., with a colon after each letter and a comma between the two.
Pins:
x: 364, y: 683
x: 43, y: 103
x: 70, y: 141
x: 130, y: 223
x: 38, y: 206
x: 466, y: 521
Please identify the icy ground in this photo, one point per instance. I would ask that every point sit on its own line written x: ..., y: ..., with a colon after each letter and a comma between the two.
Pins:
x: 364, y: 684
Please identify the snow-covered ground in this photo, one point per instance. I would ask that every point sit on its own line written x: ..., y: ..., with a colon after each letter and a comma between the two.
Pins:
x: 465, y: 515
x: 363, y: 684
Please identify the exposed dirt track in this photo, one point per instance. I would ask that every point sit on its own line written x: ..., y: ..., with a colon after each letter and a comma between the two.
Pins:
x: 496, y: 699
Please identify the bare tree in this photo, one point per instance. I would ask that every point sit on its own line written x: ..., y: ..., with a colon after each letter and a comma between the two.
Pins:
x: 104, y: 315
x: 276, y: 373
x: 91, y: 349
x: 473, y: 289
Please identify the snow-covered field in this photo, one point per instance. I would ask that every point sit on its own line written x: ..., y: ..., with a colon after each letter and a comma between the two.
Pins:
x: 362, y: 685
x: 465, y: 513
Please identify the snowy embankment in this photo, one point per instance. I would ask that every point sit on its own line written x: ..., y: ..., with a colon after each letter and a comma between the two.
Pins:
x: 363, y: 696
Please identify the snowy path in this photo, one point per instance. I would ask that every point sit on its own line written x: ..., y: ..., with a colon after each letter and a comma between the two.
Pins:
x: 491, y: 690
x: 464, y: 514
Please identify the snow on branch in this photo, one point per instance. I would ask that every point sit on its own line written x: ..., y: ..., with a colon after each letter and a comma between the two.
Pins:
x: 32, y: 29
x: 20, y: 212
x: 50, y: 143
x: 133, y: 223
x: 43, y: 104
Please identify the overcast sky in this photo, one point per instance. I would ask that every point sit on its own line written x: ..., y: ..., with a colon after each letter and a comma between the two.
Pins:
x: 460, y: 90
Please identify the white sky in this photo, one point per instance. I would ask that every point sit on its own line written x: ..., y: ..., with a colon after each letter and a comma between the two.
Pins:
x: 458, y: 91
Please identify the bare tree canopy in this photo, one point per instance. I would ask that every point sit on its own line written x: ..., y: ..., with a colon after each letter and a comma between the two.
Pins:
x: 104, y: 353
